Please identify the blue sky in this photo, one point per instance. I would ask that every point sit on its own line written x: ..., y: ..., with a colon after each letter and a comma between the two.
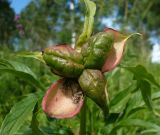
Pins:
x: 18, y: 5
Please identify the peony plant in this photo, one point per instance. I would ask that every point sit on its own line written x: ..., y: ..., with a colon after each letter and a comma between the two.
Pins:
x: 82, y: 73
x: 82, y: 69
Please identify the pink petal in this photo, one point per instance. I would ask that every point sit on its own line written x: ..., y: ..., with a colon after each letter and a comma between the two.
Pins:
x: 58, y: 103
x: 116, y: 52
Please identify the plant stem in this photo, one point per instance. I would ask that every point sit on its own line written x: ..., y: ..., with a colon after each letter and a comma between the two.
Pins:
x: 83, y: 118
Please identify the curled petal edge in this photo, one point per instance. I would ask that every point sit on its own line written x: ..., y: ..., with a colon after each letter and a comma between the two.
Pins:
x: 115, y: 55
x: 57, y: 104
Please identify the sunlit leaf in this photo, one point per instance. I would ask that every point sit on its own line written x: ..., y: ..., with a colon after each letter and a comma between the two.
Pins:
x: 149, y: 131
x: 140, y: 73
x: 117, y: 104
x: 143, y: 78
x: 35, y: 123
x: 140, y: 105
x: 20, y: 70
x: 156, y: 95
x: 145, y: 88
x: 18, y: 114
x: 134, y: 110
x: 136, y: 123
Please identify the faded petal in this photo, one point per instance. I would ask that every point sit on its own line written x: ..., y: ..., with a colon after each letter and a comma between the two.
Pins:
x: 116, y: 53
x: 63, y: 99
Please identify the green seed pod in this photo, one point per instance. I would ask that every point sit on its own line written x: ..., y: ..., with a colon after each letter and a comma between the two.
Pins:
x: 97, y: 49
x: 93, y: 85
x: 64, y: 61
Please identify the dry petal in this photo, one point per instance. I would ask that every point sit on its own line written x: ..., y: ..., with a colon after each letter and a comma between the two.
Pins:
x: 63, y: 99
x: 116, y: 53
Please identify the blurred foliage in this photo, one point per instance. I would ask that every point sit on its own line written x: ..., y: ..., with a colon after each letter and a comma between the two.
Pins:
x: 7, y: 24
x: 43, y: 23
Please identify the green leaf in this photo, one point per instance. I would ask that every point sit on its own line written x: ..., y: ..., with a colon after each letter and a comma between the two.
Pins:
x: 139, y: 123
x: 149, y: 131
x: 113, y: 117
x: 142, y: 76
x: 117, y: 104
x: 18, y: 114
x: 156, y: 95
x: 140, y: 73
x: 145, y: 88
x: 136, y: 123
x: 88, y: 23
x: 136, y: 103
x: 35, y: 123
x: 35, y: 55
x: 135, y: 110
x: 20, y: 70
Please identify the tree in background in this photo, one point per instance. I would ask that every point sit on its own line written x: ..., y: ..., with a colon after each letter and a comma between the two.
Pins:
x: 46, y: 21
x: 7, y: 23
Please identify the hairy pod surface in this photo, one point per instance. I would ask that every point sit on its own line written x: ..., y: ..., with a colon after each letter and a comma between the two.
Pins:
x: 93, y: 85
x: 64, y: 61
x: 96, y: 50
x: 63, y: 99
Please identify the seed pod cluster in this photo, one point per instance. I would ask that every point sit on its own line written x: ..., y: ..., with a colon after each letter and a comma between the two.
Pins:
x: 82, y: 72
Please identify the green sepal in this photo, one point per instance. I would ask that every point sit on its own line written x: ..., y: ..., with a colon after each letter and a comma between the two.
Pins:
x: 93, y: 85
x: 97, y: 49
x: 88, y: 24
x: 64, y: 61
